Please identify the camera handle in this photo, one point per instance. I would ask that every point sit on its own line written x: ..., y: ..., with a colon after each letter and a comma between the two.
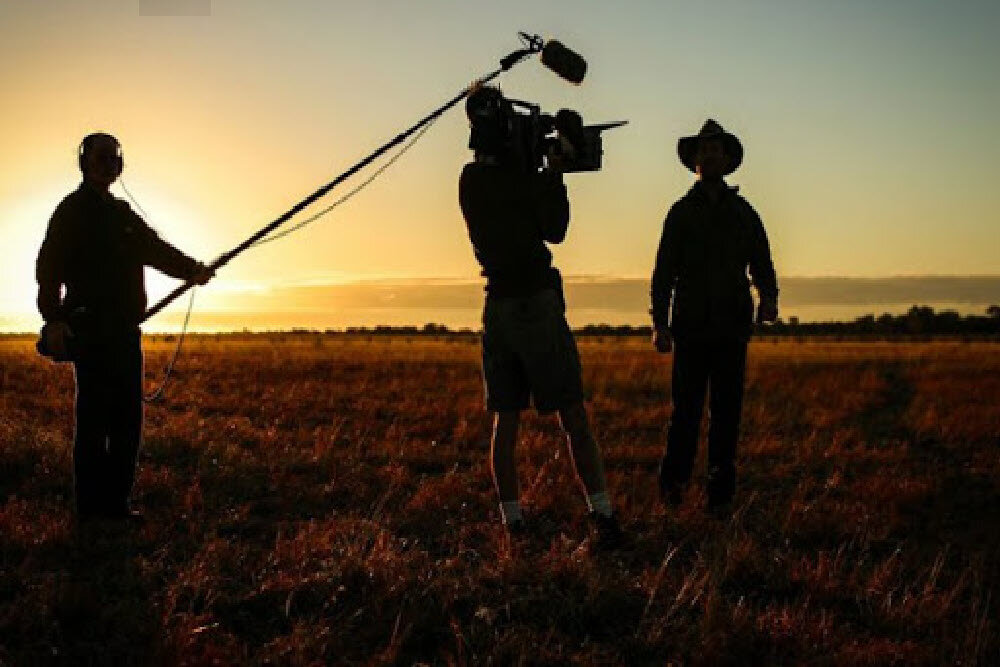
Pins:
x: 534, y: 45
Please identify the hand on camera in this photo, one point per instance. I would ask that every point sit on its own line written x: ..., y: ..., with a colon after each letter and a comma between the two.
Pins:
x: 662, y: 341
x: 202, y: 274
x: 558, y: 158
x: 767, y: 311
x: 555, y: 163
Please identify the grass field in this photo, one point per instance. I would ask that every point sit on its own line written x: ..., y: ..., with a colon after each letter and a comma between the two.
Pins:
x: 318, y: 500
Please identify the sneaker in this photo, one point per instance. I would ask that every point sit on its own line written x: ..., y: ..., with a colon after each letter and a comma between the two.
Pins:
x: 671, y: 493
x: 94, y: 511
x: 720, y: 486
x: 720, y: 507
x: 610, y: 535
x: 672, y: 496
x: 517, y: 528
x: 125, y: 514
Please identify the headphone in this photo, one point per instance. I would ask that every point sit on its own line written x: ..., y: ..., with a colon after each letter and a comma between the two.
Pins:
x: 88, y: 142
x: 489, y: 114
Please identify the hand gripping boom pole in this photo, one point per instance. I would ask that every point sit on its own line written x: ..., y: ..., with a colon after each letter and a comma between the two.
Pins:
x: 534, y: 45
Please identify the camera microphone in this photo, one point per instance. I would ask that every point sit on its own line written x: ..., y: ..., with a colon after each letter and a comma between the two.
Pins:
x: 568, y: 64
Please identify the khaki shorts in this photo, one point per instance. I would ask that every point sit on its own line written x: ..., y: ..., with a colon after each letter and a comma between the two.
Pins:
x: 529, y: 355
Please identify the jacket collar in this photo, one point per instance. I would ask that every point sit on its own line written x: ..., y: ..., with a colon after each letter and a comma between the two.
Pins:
x: 93, y: 193
x: 697, y: 191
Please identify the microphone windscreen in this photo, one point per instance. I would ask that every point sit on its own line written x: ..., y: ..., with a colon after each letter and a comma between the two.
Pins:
x: 568, y: 64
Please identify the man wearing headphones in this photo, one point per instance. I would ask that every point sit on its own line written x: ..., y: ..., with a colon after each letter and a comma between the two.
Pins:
x: 92, y: 296
x: 529, y: 355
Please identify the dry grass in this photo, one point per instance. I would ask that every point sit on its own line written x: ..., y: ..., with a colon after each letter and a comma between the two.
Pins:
x: 321, y: 500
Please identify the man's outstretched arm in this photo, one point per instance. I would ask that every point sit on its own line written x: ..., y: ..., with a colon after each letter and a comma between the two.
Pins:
x: 164, y: 257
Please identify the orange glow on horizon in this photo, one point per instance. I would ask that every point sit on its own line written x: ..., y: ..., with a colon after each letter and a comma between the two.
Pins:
x: 227, y: 120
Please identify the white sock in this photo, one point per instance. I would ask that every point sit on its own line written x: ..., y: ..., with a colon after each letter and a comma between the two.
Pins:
x: 599, y: 503
x: 510, y: 511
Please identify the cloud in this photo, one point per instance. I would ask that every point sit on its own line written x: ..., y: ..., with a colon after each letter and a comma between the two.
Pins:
x: 591, y: 300
x: 624, y: 294
x: 844, y: 291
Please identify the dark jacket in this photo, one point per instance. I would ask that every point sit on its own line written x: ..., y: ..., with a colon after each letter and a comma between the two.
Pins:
x: 510, y: 215
x: 96, y: 247
x: 702, y: 262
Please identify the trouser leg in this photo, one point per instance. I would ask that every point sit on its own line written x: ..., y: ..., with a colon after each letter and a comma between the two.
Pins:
x: 728, y: 366
x: 583, y: 449
x: 125, y: 431
x: 90, y: 439
x: 689, y: 380
x: 503, y: 462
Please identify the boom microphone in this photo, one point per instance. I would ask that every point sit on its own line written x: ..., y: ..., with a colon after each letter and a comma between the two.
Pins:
x: 568, y: 64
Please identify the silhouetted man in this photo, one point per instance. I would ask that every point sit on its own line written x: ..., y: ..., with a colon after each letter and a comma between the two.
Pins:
x: 95, y: 249
x: 529, y: 355
x: 711, y: 237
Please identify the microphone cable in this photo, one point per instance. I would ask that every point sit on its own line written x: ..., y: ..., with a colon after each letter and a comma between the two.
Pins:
x: 355, y: 190
x: 128, y: 194
x: 157, y: 393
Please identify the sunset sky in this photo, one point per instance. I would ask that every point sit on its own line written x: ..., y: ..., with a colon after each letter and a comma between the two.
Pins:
x: 869, y: 128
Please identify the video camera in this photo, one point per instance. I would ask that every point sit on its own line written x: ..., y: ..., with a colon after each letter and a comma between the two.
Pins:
x: 519, y: 133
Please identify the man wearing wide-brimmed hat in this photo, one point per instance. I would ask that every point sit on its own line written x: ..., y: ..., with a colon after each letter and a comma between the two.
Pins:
x: 711, y: 239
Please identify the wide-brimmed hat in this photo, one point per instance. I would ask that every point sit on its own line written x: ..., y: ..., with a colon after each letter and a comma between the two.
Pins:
x: 687, y: 147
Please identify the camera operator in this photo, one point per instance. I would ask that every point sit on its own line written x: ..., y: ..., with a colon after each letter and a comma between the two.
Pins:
x: 96, y: 247
x: 529, y: 355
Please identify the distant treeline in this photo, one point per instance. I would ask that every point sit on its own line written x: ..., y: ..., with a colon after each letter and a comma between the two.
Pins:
x: 918, y: 321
